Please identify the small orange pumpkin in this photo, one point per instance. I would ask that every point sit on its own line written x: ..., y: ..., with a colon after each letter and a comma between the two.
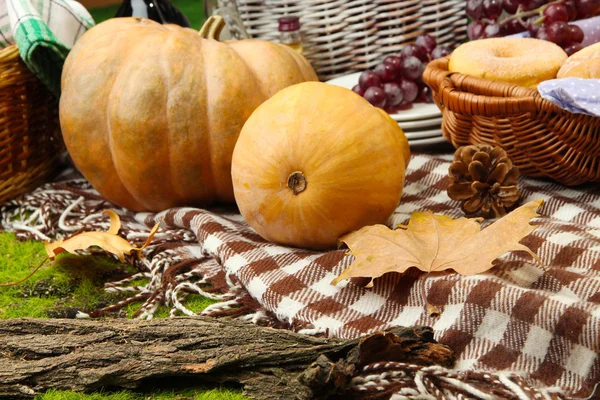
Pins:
x: 315, y: 162
x: 150, y: 113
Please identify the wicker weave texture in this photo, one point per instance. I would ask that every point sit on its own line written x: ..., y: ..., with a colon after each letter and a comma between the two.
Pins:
x: 30, y: 143
x: 542, y: 139
x: 342, y: 36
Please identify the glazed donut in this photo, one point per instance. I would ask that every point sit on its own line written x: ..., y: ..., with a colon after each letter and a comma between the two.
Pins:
x: 583, y: 64
x: 522, y: 61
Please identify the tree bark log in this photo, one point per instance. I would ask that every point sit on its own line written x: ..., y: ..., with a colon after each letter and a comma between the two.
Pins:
x: 87, y: 355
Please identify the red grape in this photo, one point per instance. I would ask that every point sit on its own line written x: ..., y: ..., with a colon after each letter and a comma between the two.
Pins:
x: 413, y: 50
x: 376, y: 96
x: 474, y: 9
x: 543, y: 19
x: 532, y: 25
x: 542, y: 33
x: 395, y: 83
x: 492, y: 8
x: 393, y: 94
x: 410, y: 90
x: 412, y: 67
x: 576, y: 34
x: 395, y: 62
x: 491, y: 31
x: 513, y: 26
x: 368, y: 79
x: 571, y: 9
x: 426, y: 42
x: 420, y: 83
x: 534, y: 4
x: 573, y: 48
x: 475, y: 30
x: 555, y: 13
x: 510, y: 6
x: 358, y: 89
x: 558, y: 32
x: 439, y: 52
x: 385, y: 71
x: 586, y: 8
x: 424, y: 96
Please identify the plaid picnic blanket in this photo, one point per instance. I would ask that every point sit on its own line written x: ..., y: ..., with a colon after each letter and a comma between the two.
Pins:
x: 44, y: 31
x: 523, y: 330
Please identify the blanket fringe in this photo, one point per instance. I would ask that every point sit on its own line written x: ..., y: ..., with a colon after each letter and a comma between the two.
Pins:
x: 71, y: 206
x: 402, y: 381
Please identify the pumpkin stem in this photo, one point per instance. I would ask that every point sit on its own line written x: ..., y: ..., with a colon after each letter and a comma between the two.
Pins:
x: 212, y: 27
x: 297, y: 182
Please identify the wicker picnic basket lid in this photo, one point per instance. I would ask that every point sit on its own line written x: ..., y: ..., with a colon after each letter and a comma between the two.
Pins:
x: 30, y: 140
x: 342, y: 36
x: 542, y: 139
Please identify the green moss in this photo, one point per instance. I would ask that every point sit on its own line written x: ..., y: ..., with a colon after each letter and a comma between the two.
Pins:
x: 192, y: 394
x: 221, y: 394
x: 197, y: 303
x: 193, y: 302
x: 65, y: 395
x: 33, y: 297
x: 69, y: 284
x: 59, y: 288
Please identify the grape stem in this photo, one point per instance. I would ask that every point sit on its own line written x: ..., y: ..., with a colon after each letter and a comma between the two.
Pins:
x: 520, y: 14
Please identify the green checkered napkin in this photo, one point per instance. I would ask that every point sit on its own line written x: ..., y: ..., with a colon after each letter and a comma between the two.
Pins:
x: 44, y: 31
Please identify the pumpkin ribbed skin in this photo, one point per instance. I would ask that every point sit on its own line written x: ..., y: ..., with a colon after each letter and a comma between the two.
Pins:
x: 315, y: 162
x: 150, y: 113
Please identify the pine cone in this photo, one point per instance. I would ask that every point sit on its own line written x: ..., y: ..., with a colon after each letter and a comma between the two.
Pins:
x: 484, y: 179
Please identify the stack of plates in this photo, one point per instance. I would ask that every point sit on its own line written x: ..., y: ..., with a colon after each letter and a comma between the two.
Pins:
x: 421, y: 124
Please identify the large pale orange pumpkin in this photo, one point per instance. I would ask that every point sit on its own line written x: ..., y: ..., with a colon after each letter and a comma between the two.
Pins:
x: 315, y: 162
x: 150, y: 113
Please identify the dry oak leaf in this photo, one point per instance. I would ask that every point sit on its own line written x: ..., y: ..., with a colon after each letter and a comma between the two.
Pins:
x: 108, y: 240
x: 436, y: 242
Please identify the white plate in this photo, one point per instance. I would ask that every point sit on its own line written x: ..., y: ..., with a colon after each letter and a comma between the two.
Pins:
x: 423, y: 134
x: 427, y: 142
x: 419, y: 111
x: 424, y: 123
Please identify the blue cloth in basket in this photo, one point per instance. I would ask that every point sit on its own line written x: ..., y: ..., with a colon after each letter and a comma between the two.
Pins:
x: 579, y: 96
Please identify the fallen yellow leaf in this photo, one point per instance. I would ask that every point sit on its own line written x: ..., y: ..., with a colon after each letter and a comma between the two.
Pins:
x: 108, y: 240
x: 436, y: 242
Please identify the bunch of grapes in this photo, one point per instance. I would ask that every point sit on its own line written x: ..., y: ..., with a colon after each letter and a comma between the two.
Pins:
x: 547, y: 20
x: 396, y: 83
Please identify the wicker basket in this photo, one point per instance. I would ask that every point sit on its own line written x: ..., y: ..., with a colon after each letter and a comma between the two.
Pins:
x: 542, y: 139
x: 342, y: 36
x: 30, y: 142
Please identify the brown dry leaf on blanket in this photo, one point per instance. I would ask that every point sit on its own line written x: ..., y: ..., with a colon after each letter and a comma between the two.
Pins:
x: 108, y: 240
x: 436, y: 242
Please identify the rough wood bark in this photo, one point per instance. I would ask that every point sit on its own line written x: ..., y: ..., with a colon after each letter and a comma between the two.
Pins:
x: 83, y: 355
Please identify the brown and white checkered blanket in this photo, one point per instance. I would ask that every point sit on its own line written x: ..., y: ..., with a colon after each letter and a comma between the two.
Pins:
x: 541, y: 322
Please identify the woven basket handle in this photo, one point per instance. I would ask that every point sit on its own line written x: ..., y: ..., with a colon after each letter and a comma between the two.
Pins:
x: 476, y: 96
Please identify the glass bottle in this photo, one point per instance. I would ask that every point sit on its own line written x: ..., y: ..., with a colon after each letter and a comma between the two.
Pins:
x: 289, y: 32
x: 162, y: 11
x: 227, y: 9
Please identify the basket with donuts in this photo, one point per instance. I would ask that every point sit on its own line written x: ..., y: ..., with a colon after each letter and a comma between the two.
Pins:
x: 489, y: 92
